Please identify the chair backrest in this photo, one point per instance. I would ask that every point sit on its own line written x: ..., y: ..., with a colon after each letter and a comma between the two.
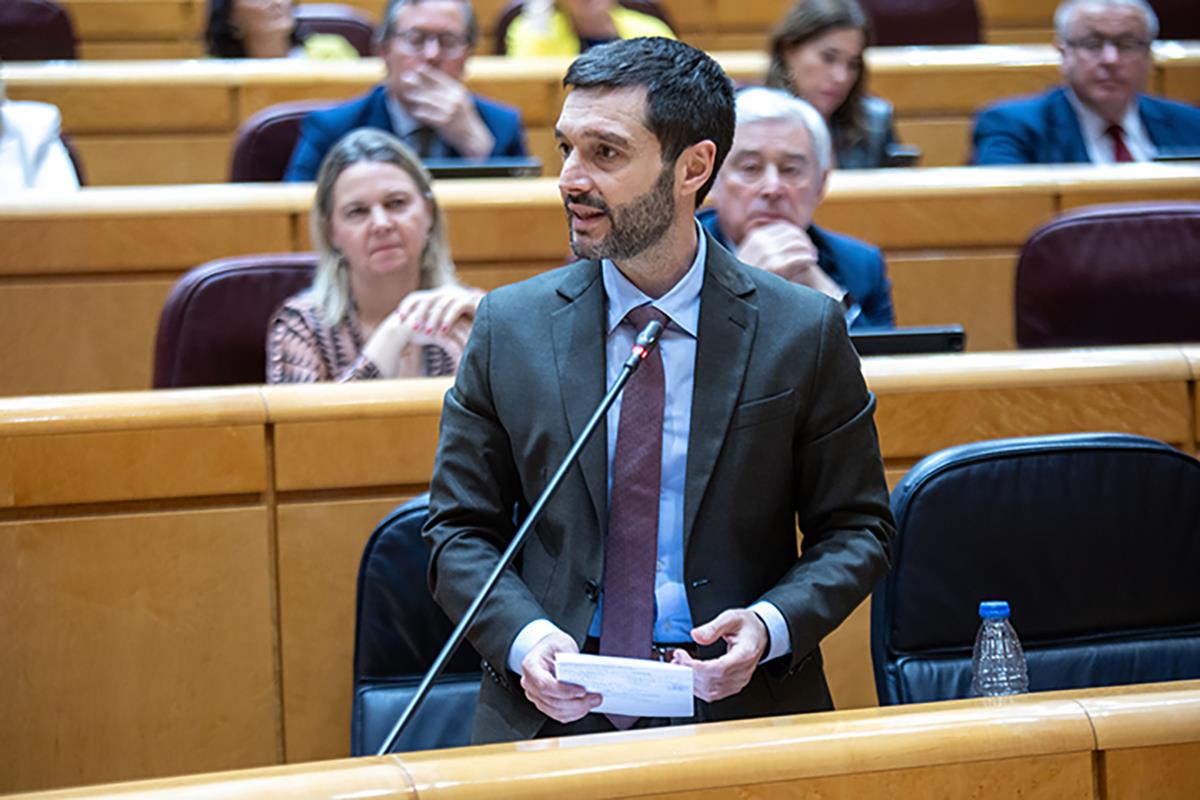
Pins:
x: 399, y: 630
x: 35, y: 30
x: 1119, y: 274
x: 923, y: 22
x: 1094, y: 539
x: 1177, y: 19
x: 76, y: 160
x: 512, y: 10
x: 213, y: 326
x: 355, y: 26
x: 264, y: 142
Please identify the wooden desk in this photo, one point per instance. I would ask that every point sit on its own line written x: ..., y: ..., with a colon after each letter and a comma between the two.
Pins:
x: 83, y: 277
x: 184, y: 562
x: 174, y: 122
x: 1081, y: 745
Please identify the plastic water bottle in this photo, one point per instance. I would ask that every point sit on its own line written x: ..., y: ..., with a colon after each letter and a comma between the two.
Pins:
x: 998, y: 662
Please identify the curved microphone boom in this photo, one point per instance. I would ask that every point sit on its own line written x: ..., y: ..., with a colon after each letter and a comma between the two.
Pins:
x: 647, y: 340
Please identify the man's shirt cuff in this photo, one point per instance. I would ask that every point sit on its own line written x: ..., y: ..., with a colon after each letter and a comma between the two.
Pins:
x: 772, y: 617
x: 530, y: 635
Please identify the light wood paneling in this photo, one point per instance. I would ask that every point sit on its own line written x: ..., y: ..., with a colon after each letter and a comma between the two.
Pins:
x: 1016, y: 13
x: 45, y: 317
x: 935, y: 290
x: 155, y: 160
x: 134, y: 646
x: 135, y: 19
x: 1164, y: 773
x: 112, y: 466
x: 320, y: 546
x: 1047, y: 777
x: 848, y: 649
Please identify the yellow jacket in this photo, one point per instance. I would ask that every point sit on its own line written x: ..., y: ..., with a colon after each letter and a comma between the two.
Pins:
x: 560, y: 39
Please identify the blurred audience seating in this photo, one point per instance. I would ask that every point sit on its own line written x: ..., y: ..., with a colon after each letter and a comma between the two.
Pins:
x: 346, y: 21
x: 264, y: 142
x: 1177, y: 19
x: 1091, y: 538
x: 86, y: 276
x: 213, y: 328
x: 35, y: 30
x: 1121, y: 274
x: 902, y: 23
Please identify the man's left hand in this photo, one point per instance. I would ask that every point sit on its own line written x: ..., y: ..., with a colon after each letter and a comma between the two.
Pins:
x: 437, y: 100
x: 745, y: 637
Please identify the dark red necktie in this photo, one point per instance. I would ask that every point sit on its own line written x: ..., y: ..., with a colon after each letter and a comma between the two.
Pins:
x: 631, y: 548
x: 1121, y: 153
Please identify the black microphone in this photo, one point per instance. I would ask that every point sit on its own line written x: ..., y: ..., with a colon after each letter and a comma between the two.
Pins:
x: 647, y: 340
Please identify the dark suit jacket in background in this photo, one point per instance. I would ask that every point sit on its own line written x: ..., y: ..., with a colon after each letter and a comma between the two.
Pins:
x: 781, y: 430
x: 855, y: 265
x: 322, y: 129
x: 1045, y: 130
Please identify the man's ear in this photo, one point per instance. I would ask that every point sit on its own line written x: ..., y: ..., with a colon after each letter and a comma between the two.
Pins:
x: 823, y: 186
x: 694, y: 166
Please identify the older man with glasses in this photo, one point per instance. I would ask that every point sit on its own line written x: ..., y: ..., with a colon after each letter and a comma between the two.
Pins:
x: 764, y: 200
x: 422, y: 100
x: 1101, y: 115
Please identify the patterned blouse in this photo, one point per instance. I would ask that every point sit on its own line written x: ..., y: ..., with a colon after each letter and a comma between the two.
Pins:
x: 303, y: 348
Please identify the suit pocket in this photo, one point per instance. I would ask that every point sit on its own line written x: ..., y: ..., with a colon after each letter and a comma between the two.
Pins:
x: 754, y: 412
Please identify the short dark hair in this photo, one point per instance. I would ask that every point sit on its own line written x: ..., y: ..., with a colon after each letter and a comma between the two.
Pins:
x: 689, y: 98
x: 388, y: 27
x: 222, y: 39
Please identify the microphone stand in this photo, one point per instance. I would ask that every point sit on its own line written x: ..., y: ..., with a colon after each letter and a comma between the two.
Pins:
x: 646, y: 341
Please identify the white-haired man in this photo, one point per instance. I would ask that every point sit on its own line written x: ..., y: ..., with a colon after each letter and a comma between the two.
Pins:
x: 765, y: 197
x: 1101, y: 115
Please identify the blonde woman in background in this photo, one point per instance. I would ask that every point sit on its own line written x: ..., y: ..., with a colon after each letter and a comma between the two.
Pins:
x: 384, y: 302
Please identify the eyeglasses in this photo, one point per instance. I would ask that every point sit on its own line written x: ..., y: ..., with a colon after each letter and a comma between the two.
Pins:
x: 416, y: 40
x: 1124, y: 45
x: 751, y: 172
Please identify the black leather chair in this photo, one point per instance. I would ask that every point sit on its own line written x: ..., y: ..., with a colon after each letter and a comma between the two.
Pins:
x: 353, y: 25
x: 1112, y: 274
x: 213, y: 326
x: 399, y: 630
x: 923, y: 22
x: 1094, y: 539
x: 35, y: 30
x: 511, y: 11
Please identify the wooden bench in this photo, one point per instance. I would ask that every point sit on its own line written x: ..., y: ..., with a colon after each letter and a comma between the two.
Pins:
x: 83, y: 277
x: 178, y: 568
x: 175, y: 122
x: 140, y: 29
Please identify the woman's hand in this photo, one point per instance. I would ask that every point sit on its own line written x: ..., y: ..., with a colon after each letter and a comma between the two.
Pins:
x: 434, y: 312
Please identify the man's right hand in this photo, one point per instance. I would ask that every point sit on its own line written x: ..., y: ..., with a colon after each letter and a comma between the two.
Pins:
x: 786, y: 250
x: 562, y: 702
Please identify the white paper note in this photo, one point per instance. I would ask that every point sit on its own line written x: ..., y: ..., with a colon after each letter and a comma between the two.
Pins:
x: 632, y: 686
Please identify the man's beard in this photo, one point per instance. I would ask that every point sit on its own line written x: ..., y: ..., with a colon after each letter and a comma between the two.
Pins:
x: 634, y: 226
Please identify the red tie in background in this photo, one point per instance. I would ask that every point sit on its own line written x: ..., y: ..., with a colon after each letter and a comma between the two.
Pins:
x: 1121, y: 153
x: 627, y: 621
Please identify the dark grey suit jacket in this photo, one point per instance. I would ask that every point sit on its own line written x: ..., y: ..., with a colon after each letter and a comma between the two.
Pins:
x: 782, y: 431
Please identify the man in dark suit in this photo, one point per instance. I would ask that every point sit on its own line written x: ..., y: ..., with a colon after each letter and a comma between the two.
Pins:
x: 766, y: 195
x: 1100, y: 116
x: 425, y: 45
x: 754, y: 418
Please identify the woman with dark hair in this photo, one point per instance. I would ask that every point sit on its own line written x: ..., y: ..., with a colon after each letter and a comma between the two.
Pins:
x: 817, y: 54
x: 384, y: 302
x: 266, y: 29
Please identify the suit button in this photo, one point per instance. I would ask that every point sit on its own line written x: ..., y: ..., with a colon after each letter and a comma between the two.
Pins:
x: 592, y: 591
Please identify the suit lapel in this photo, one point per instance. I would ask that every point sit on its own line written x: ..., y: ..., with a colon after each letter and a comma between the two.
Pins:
x: 578, y: 331
x: 728, y: 322
x: 1063, y: 118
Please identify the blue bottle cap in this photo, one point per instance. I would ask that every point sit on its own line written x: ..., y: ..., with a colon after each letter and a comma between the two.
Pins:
x: 994, y: 609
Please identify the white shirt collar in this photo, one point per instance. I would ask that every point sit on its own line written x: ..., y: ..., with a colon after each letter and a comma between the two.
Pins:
x: 1095, y: 132
x: 681, y: 303
x: 402, y: 122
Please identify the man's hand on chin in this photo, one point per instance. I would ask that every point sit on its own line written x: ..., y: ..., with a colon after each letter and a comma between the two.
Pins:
x: 786, y: 250
x: 440, y: 102
x: 563, y: 702
x: 745, y: 637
